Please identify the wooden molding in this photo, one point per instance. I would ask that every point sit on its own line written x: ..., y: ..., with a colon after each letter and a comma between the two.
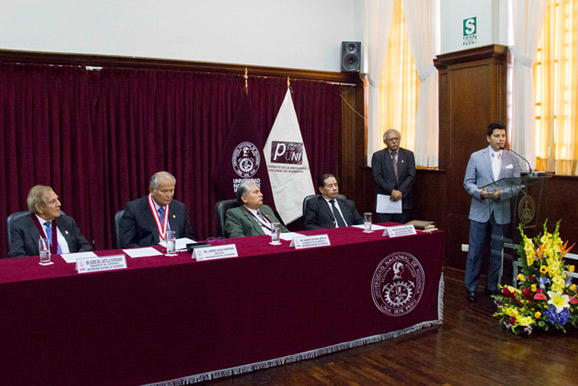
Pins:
x: 171, y: 64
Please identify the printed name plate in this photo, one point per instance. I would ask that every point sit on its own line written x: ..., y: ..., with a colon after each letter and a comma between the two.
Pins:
x: 310, y: 241
x: 106, y: 263
x: 212, y: 253
x: 401, y: 230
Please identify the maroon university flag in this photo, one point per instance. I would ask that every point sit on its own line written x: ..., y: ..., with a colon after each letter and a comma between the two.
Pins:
x: 241, y: 157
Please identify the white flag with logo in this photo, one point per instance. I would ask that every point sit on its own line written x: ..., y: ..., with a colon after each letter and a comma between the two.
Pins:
x: 287, y: 163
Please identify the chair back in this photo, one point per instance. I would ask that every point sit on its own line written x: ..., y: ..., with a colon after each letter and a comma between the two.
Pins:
x: 307, y: 198
x: 117, y: 218
x: 10, y: 220
x: 221, y: 207
x: 13, y: 217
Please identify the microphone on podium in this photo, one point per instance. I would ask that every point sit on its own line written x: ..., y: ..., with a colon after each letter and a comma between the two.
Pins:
x: 530, y: 174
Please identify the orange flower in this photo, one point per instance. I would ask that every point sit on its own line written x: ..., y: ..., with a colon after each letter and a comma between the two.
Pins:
x: 564, y: 250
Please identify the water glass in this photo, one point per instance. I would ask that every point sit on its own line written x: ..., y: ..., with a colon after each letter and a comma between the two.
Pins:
x: 44, y: 250
x: 171, y: 243
x: 275, y: 233
x: 367, y: 222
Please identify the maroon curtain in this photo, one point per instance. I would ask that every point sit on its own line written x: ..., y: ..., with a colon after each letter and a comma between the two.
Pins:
x: 97, y: 136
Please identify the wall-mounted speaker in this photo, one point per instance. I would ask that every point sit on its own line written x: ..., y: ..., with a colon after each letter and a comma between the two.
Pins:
x: 350, y: 56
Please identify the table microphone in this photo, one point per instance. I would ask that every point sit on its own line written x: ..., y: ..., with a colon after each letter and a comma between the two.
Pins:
x: 530, y: 174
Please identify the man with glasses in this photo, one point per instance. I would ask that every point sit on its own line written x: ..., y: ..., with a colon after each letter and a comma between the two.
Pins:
x: 394, y: 175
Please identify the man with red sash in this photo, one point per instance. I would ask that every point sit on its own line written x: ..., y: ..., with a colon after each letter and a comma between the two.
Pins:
x: 252, y: 218
x: 46, y: 221
x: 146, y: 220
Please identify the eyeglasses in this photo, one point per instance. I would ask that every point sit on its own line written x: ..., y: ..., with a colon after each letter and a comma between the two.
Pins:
x: 396, y: 139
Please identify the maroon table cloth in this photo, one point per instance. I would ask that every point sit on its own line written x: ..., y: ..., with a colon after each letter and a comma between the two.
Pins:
x: 166, y: 318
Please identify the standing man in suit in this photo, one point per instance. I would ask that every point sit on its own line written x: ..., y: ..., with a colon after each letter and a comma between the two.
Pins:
x: 252, y: 218
x: 45, y: 220
x: 394, y: 175
x: 146, y: 220
x: 327, y: 210
x: 490, y: 208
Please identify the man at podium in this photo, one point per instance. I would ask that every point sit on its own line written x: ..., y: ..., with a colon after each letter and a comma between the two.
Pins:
x: 490, y: 207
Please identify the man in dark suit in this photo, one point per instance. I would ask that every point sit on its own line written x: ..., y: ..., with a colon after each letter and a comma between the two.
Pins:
x: 44, y: 209
x: 145, y: 221
x: 394, y: 175
x: 327, y: 210
x: 252, y: 218
x: 489, y: 209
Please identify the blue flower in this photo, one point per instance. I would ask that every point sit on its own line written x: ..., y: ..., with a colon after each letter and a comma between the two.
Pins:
x: 560, y: 317
x: 543, y: 281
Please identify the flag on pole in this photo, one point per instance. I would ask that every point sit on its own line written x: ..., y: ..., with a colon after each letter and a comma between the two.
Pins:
x: 287, y: 163
x: 240, y: 158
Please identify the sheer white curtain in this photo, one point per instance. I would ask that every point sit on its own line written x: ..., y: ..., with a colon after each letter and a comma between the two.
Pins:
x: 422, y: 19
x: 377, y: 26
x: 528, y: 19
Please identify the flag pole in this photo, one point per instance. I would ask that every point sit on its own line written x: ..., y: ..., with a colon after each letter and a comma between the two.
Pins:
x: 246, y: 81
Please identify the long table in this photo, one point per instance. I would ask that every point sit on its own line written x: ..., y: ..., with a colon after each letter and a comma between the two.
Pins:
x: 172, y: 318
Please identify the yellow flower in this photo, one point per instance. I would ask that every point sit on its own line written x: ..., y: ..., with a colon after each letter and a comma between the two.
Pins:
x: 529, y: 250
x: 554, y: 266
x: 533, y: 287
x: 543, y: 269
x: 558, y: 283
x: 558, y: 300
x: 571, y: 268
x: 537, y: 315
x: 521, y: 277
x: 525, y: 321
x: 573, y: 287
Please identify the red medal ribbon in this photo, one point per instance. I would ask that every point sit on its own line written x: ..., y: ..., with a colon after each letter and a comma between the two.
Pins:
x: 162, y: 229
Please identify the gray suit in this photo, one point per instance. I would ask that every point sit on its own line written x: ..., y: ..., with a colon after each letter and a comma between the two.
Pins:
x: 486, y: 214
x: 240, y: 223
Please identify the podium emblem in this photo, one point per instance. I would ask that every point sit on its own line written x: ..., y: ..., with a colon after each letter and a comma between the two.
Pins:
x: 526, y: 209
x: 397, y: 284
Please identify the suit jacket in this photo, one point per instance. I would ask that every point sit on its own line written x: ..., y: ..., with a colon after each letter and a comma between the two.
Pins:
x: 384, y: 175
x: 139, y: 229
x: 240, y: 223
x: 24, y: 236
x: 318, y: 213
x: 478, y: 174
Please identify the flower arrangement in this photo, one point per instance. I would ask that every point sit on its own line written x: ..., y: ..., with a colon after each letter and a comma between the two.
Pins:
x: 545, y: 298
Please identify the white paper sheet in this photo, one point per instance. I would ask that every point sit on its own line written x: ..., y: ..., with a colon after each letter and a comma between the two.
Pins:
x: 142, y: 252
x: 385, y: 205
x: 71, y: 257
x: 290, y: 236
x: 373, y: 227
x: 181, y: 243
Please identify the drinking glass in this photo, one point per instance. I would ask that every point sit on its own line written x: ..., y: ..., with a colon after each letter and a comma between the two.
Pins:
x: 276, y: 233
x: 171, y: 243
x: 44, y: 250
x: 367, y: 222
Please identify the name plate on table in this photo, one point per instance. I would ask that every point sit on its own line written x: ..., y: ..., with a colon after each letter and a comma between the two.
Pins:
x: 402, y: 230
x: 212, y: 253
x: 310, y: 241
x: 106, y: 263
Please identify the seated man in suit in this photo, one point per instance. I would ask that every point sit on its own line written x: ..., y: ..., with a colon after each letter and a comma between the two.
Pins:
x: 328, y: 211
x: 146, y: 220
x: 252, y: 218
x: 44, y: 209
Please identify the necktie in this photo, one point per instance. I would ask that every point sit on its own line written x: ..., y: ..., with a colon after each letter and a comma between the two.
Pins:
x: 162, y: 215
x: 337, y: 215
x: 48, y: 229
x: 259, y: 214
x: 394, y: 159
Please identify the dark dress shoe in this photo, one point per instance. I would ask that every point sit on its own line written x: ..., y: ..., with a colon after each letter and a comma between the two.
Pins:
x: 490, y: 292
x: 471, y: 295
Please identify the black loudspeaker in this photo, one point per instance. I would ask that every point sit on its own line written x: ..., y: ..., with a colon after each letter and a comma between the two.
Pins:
x: 350, y: 56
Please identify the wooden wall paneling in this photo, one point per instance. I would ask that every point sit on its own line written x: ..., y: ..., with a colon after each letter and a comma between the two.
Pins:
x: 472, y: 94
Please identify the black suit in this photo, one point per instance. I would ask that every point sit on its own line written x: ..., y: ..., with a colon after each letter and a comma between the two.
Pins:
x: 24, y: 236
x: 385, y: 182
x: 318, y: 213
x: 138, y: 227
